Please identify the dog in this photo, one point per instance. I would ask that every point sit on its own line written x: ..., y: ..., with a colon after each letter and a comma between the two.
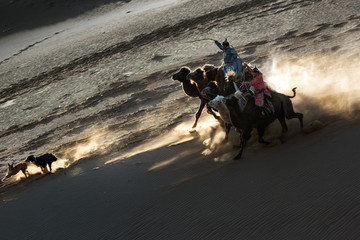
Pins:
x: 42, y: 161
x: 13, y: 170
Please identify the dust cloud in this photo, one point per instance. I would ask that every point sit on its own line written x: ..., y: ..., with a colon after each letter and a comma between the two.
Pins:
x: 328, y: 81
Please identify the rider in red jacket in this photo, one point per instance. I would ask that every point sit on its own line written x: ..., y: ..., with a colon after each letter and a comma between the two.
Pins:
x: 258, y: 87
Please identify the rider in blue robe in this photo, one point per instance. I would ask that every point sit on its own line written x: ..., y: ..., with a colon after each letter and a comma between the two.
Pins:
x: 232, y: 61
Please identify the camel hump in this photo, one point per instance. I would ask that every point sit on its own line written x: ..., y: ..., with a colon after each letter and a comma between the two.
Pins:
x: 208, y: 67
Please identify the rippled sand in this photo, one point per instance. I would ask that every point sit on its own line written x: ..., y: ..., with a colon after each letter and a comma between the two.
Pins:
x: 96, y: 90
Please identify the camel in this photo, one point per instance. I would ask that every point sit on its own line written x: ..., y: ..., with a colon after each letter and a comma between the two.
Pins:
x: 217, y: 80
x: 218, y: 104
x: 245, y: 120
x: 246, y: 117
x: 213, y: 77
x: 282, y: 104
x: 203, y: 76
x: 249, y: 117
x: 192, y: 89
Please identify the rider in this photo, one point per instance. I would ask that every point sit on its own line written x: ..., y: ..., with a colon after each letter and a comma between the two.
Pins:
x: 258, y: 88
x: 232, y: 61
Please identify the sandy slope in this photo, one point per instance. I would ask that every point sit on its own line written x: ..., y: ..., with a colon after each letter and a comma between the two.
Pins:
x: 99, y: 95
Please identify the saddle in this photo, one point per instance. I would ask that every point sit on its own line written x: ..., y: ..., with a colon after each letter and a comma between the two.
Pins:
x: 269, y: 107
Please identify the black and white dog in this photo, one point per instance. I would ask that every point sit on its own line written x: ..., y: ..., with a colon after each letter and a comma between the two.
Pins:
x: 42, y: 161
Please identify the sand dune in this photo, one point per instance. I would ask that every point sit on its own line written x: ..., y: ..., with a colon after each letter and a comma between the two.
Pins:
x: 96, y: 90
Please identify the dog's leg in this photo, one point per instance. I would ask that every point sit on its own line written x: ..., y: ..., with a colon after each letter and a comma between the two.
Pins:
x: 25, y: 172
x: 49, y: 164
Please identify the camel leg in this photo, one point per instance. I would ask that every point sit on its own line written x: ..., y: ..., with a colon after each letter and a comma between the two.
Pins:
x: 261, y: 131
x: 298, y: 116
x: 227, y: 131
x: 244, y: 136
x: 242, y: 145
x: 210, y: 111
x: 198, y: 113
x: 284, y: 128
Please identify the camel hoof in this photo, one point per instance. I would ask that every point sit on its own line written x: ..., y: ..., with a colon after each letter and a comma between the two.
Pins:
x: 273, y: 144
x: 237, y: 157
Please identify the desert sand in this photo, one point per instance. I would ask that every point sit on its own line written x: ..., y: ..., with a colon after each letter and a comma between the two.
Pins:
x: 90, y: 81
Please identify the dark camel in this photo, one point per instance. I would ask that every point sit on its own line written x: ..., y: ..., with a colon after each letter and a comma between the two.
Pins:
x: 192, y: 88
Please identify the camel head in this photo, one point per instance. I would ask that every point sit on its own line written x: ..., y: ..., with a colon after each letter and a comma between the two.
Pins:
x: 210, y: 91
x: 198, y: 75
x: 217, y: 102
x: 181, y: 74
